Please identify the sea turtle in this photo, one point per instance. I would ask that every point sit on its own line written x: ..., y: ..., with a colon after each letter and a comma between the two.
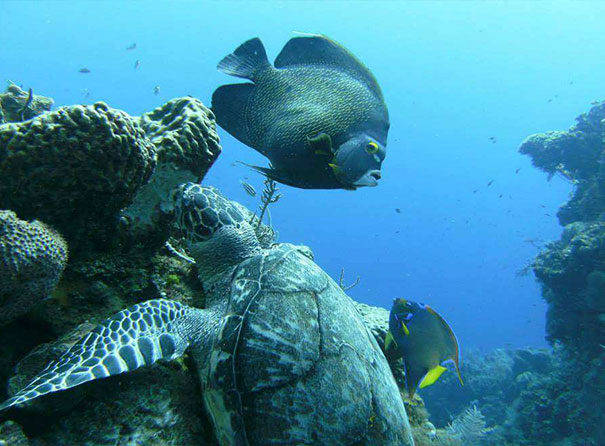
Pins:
x: 283, y: 355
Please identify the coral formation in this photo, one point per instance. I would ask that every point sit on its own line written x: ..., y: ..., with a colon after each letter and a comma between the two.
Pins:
x: 32, y: 259
x: 565, y: 406
x: 17, y: 105
x: 183, y: 132
x: 577, y: 155
x: 74, y: 168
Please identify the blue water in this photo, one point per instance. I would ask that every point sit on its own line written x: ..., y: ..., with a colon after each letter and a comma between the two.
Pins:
x: 453, y: 74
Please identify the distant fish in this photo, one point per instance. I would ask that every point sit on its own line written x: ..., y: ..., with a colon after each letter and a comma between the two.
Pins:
x: 517, y: 171
x: 490, y: 183
x: 492, y: 139
x: 248, y: 188
x: 500, y: 196
x: 137, y: 64
x: 475, y: 191
x: 156, y: 90
x: 398, y: 210
x: 317, y: 113
x: 424, y: 340
x: 84, y: 70
x: 86, y: 92
x: 131, y: 47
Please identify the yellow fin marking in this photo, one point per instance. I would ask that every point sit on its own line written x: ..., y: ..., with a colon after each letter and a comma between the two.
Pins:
x: 432, y: 376
x: 405, y: 329
x: 388, y: 340
x: 335, y: 167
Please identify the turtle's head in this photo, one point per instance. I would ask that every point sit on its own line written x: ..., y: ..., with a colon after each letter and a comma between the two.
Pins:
x: 217, y: 230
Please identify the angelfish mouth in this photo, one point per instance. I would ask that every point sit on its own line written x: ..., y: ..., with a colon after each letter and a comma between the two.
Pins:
x: 370, y: 179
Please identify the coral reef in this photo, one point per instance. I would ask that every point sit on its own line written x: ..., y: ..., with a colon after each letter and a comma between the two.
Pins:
x: 74, y: 168
x: 565, y: 405
x: 571, y: 271
x: 32, y: 259
x: 577, y: 155
x: 16, y: 105
x: 183, y: 132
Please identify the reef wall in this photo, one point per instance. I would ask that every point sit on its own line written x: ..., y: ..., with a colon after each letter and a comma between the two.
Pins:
x: 569, y: 403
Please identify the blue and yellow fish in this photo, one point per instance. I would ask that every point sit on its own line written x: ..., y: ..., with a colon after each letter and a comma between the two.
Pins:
x: 424, y: 340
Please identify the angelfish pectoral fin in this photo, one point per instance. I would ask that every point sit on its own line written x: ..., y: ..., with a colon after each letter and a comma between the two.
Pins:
x: 405, y: 329
x: 432, y: 376
x: 321, y: 144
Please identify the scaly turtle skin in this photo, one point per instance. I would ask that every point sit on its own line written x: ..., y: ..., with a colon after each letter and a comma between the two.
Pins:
x: 283, y: 355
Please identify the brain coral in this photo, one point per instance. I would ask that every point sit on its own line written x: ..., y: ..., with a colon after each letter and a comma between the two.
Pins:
x: 183, y: 131
x: 32, y: 258
x: 74, y: 168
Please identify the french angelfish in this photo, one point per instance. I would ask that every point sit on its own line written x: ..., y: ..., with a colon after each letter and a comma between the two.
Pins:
x: 424, y: 340
x: 318, y: 114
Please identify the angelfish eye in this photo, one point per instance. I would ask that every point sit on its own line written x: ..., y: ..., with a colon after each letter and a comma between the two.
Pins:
x: 372, y: 148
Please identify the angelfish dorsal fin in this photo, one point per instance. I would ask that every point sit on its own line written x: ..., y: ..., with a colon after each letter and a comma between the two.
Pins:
x: 249, y: 59
x: 315, y: 49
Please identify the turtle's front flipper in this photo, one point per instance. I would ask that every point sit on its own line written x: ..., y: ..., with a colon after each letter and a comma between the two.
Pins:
x: 135, y: 337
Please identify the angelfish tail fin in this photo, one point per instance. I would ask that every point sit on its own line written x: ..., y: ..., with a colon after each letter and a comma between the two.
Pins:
x: 249, y: 59
x: 135, y: 337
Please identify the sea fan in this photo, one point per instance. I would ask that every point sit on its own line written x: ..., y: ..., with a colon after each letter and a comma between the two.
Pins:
x: 466, y: 429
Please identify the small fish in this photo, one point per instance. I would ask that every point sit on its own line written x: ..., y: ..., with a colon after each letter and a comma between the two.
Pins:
x: 500, y: 196
x: 28, y: 101
x: 475, y: 191
x: 298, y: 113
x: 424, y: 340
x: 86, y: 92
x: 137, y: 64
x: 248, y: 188
x: 517, y: 171
x: 156, y: 90
x: 398, y: 210
x: 84, y: 70
x: 490, y: 183
x: 131, y: 47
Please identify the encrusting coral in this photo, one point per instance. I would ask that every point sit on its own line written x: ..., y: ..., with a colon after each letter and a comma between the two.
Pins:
x: 32, y: 259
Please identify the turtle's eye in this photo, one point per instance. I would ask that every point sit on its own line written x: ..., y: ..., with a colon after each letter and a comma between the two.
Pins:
x: 372, y: 148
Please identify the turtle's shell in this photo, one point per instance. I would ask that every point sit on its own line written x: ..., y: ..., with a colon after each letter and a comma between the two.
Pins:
x: 295, y: 364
